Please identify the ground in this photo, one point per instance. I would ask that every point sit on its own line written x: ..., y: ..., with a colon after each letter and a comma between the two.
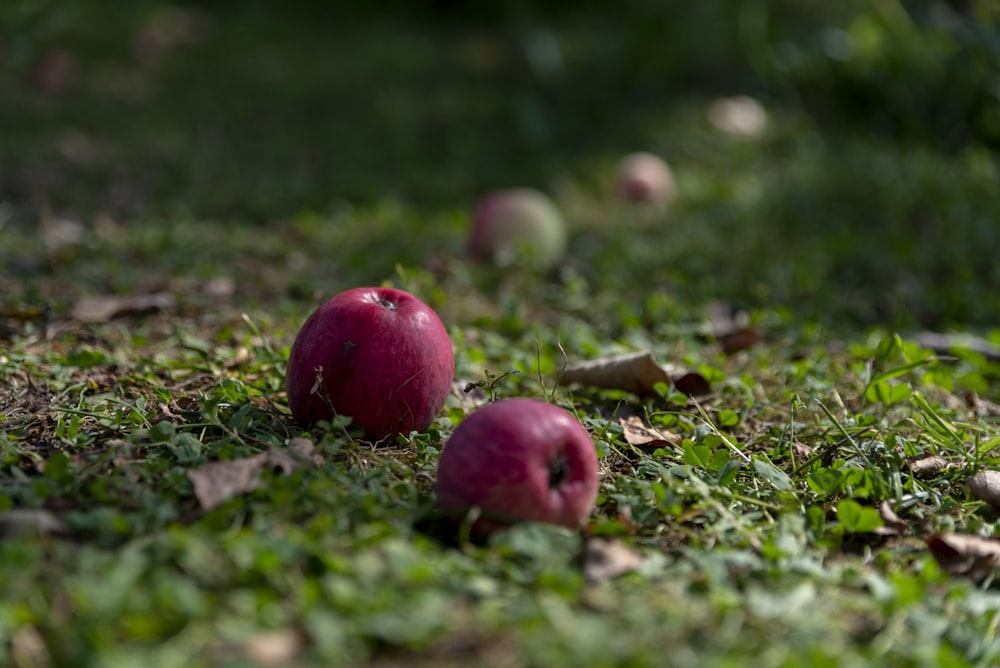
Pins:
x: 180, y: 185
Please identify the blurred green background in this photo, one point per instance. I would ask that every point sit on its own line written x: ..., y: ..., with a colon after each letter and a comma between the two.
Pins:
x: 871, y: 198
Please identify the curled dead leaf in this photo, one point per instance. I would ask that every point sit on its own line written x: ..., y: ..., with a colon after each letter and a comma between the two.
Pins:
x: 643, y: 436
x: 637, y: 373
x: 604, y: 559
x: 985, y: 486
x: 926, y: 465
x: 104, y: 309
x: 965, y: 554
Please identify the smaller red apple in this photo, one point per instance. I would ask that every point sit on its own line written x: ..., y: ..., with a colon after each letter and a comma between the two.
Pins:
x: 518, y: 224
x: 519, y: 460
x: 645, y: 178
x: 386, y: 362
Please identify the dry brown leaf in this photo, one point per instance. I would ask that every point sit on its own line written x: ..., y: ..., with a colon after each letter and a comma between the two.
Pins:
x: 891, y: 524
x: 217, y: 482
x: 985, y: 486
x: 165, y: 413
x: 470, y: 395
x: 220, y: 287
x: 186, y: 403
x: 743, y: 339
x: 29, y: 522
x: 965, y: 554
x: 693, y: 384
x: 28, y: 648
x: 24, y: 313
x: 305, y: 451
x: 103, y: 309
x: 731, y: 328
x: 981, y: 406
x: 726, y: 319
x: 274, y: 648
x: 59, y: 233
x: 944, y: 344
x: 926, y: 465
x: 801, y: 451
x: 604, y: 559
x: 641, y: 435
x: 637, y: 373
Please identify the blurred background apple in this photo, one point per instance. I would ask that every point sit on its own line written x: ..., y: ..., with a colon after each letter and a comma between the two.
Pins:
x: 518, y: 225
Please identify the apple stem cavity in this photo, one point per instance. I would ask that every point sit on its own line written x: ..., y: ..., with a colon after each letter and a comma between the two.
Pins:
x: 558, y: 471
x: 386, y: 303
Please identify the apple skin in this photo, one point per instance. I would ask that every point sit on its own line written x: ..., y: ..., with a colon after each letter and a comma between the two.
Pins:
x: 387, y: 363
x: 517, y: 223
x: 644, y: 178
x: 519, y: 460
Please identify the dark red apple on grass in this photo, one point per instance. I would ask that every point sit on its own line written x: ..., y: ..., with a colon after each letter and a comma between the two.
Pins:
x: 644, y: 178
x: 519, y: 460
x: 517, y: 224
x: 378, y: 355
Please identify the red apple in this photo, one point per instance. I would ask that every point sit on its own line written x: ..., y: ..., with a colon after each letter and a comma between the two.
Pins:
x: 383, y: 358
x: 518, y: 224
x: 645, y: 178
x: 519, y: 460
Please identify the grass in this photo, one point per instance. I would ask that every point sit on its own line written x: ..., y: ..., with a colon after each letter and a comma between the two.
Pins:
x: 243, y: 193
